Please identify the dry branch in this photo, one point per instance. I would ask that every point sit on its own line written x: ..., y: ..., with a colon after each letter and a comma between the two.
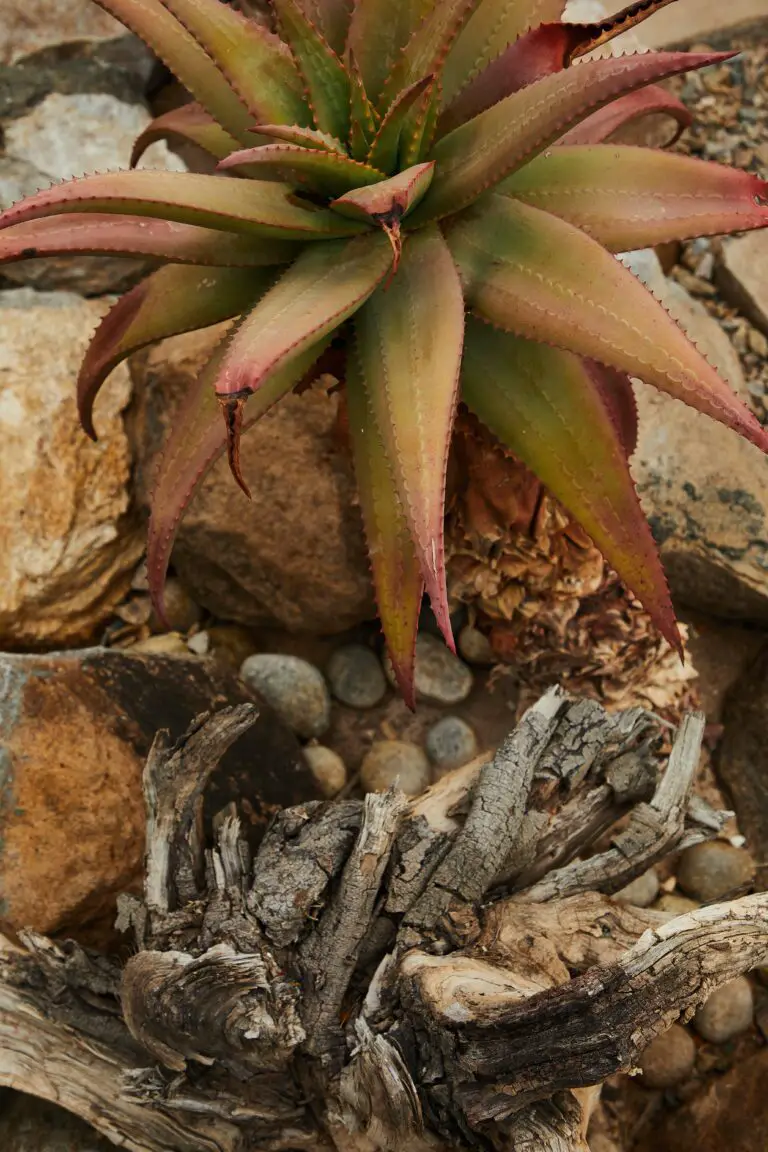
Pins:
x: 385, y: 974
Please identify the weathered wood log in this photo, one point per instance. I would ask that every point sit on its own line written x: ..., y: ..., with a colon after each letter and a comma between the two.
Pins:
x: 386, y: 974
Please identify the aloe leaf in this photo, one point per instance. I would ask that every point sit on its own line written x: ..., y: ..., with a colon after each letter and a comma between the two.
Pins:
x: 385, y: 146
x: 303, y: 137
x: 257, y: 64
x: 539, y: 401
x: 133, y: 236
x: 364, y: 119
x: 535, y: 275
x: 409, y: 341
x: 420, y: 125
x: 627, y: 197
x: 389, y: 201
x: 325, y: 77
x: 187, y: 59
x: 179, y: 298
x: 256, y: 208
x: 378, y: 32
x: 647, y: 102
x: 188, y: 124
x: 332, y: 18
x: 483, y: 151
x: 397, y: 578
x: 492, y: 27
x: 326, y: 173
x: 426, y: 50
x: 197, y: 440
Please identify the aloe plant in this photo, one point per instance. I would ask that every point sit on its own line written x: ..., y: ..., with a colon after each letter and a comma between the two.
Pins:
x: 427, y: 184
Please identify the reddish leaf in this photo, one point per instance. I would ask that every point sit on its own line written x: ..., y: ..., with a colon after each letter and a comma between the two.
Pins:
x: 418, y: 132
x: 256, y: 208
x: 397, y: 577
x: 628, y: 198
x: 304, y: 137
x: 538, y: 401
x: 537, y: 276
x: 332, y: 18
x: 482, y: 152
x: 326, y: 173
x: 188, y: 124
x: 409, y: 341
x: 175, y: 299
x: 134, y: 236
x: 647, y: 102
x: 387, y: 203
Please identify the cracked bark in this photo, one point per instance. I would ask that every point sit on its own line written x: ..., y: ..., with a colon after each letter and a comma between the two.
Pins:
x: 385, y: 974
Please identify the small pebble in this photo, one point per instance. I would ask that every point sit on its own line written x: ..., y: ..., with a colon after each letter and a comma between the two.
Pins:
x: 727, y: 1013
x: 230, y: 645
x: 450, y: 743
x: 714, y: 870
x: 295, y: 689
x: 181, y: 610
x: 356, y: 676
x: 668, y: 1060
x: 440, y: 676
x: 641, y: 892
x: 327, y: 767
x: 398, y: 763
x: 164, y: 644
x: 200, y: 643
x: 475, y: 647
x: 675, y: 905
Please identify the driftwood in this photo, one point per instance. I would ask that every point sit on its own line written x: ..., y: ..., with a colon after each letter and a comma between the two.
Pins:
x: 385, y: 974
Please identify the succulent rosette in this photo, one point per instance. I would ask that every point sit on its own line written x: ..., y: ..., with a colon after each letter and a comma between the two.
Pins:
x: 428, y: 186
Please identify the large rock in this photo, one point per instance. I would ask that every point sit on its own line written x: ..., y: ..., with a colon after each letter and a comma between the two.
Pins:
x: 68, y: 541
x: 26, y: 25
x: 742, y: 275
x: 704, y: 489
x: 729, y: 1115
x: 294, y: 556
x: 75, y: 730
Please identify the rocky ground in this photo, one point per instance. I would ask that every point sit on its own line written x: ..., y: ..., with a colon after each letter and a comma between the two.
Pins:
x: 252, y: 595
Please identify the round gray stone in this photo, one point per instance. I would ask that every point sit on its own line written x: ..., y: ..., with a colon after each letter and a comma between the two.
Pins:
x: 714, y: 870
x: 440, y: 676
x: 328, y: 768
x: 727, y: 1013
x: 295, y: 689
x: 450, y: 743
x: 395, y: 763
x: 475, y: 647
x: 640, y: 893
x: 356, y: 676
x: 669, y: 1059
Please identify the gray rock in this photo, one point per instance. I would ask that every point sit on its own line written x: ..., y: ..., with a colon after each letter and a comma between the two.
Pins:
x: 640, y: 893
x: 395, y: 763
x: 440, y: 676
x: 474, y: 646
x: 27, y: 25
x: 450, y: 743
x: 669, y: 1059
x: 327, y: 767
x: 714, y: 870
x: 742, y: 275
x: 294, y: 688
x: 356, y: 676
x: 703, y: 488
x: 727, y: 1013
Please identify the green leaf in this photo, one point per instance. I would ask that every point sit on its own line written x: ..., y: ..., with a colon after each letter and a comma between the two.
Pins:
x: 189, y: 124
x: 396, y: 574
x: 383, y: 152
x: 324, y: 74
x: 256, y: 63
x: 628, y: 198
x: 409, y: 340
x: 303, y: 137
x: 99, y: 234
x: 189, y: 62
x: 198, y: 438
x: 483, y: 151
x: 556, y: 412
x: 332, y: 18
x: 378, y: 32
x: 425, y: 52
x: 326, y: 173
x: 364, y: 119
x: 179, y: 298
x: 493, y: 26
x: 256, y: 208
x: 419, y: 128
x: 537, y: 276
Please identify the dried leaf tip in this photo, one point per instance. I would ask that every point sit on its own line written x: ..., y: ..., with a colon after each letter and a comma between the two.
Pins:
x: 232, y: 407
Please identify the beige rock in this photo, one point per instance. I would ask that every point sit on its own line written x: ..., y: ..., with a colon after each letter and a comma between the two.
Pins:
x: 742, y: 275
x: 327, y: 767
x: 704, y: 489
x: 295, y: 555
x: 68, y: 542
x: 668, y: 1060
x: 28, y: 25
x: 727, y: 1013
